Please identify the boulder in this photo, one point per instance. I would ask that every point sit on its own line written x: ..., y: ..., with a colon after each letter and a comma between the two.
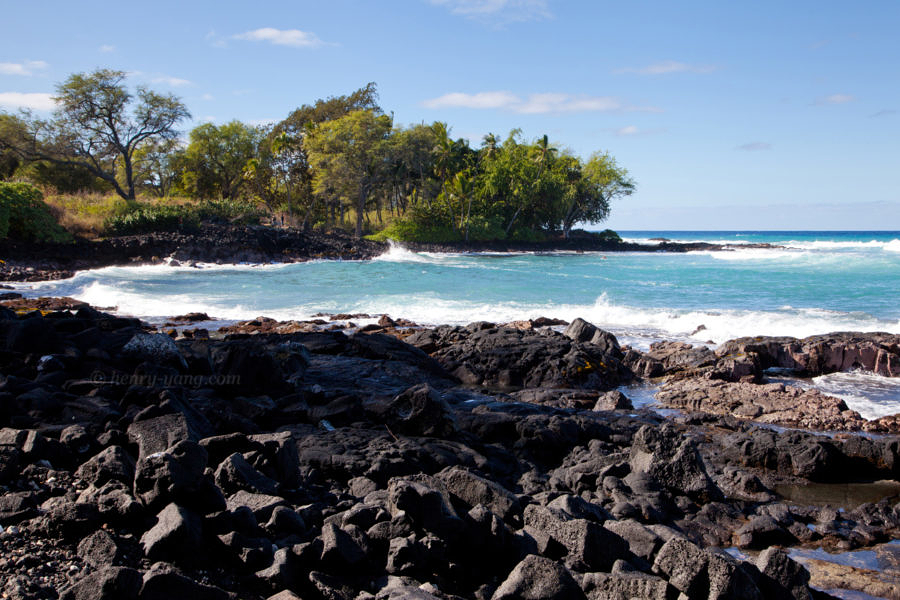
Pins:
x: 472, y: 489
x: 99, y: 549
x: 783, y: 578
x: 177, y: 536
x: 673, y: 461
x: 111, y: 464
x: 235, y: 473
x: 108, y: 583
x: 156, y: 348
x: 419, y: 411
x: 539, y: 578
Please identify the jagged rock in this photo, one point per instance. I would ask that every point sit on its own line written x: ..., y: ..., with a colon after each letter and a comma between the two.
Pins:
x: 109, y: 583
x: 762, y: 531
x: 113, y: 463
x: 283, y: 572
x: 472, y: 490
x: 261, y: 505
x: 773, y: 403
x: 158, y: 348
x: 665, y: 456
x: 235, y: 473
x: 174, y: 475
x: 822, y: 354
x: 163, y: 582
x: 16, y: 507
x: 783, y: 578
x: 69, y: 520
x: 98, y: 549
x: 177, y: 535
x: 684, y: 565
x: 158, y: 433
x: 539, y: 578
x: 642, y: 541
x: 419, y: 410
x: 626, y: 586
x: 588, y: 546
x: 339, y: 548
x: 512, y: 358
x: 425, y: 504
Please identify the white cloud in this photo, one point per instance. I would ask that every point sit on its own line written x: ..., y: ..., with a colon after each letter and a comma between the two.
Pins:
x: 23, y: 68
x: 34, y: 101
x: 755, y: 146
x: 533, y: 103
x: 633, y: 130
x: 282, y: 37
x: 669, y: 66
x: 835, y: 99
x: 505, y: 10
x: 107, y: 48
x: 479, y: 100
x: 172, y: 81
x: 207, y: 97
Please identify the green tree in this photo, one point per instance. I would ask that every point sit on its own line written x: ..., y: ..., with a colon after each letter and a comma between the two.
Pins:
x: 215, y: 160
x: 348, y: 156
x: 602, y: 181
x: 99, y: 125
x: 157, y: 166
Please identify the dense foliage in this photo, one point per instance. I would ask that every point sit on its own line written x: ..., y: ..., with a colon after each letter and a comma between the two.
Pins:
x: 148, y: 217
x: 340, y: 162
x: 24, y: 217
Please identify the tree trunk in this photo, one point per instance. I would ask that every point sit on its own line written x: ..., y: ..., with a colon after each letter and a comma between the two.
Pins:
x: 360, y: 209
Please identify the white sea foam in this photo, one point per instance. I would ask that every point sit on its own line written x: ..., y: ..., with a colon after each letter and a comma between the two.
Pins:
x: 755, y: 254
x: 871, y: 395
x: 844, y: 245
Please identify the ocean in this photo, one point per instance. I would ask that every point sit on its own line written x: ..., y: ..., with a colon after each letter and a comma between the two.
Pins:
x: 814, y: 282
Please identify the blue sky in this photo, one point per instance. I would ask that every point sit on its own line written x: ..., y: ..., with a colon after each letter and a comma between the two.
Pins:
x: 765, y: 115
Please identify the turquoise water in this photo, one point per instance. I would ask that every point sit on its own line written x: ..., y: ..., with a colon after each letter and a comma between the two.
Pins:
x: 816, y: 282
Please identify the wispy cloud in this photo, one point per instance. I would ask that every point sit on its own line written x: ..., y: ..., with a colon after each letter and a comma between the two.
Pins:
x: 755, y: 146
x: 172, y: 81
x: 282, y: 37
x: 668, y: 66
x: 533, y: 103
x: 835, y: 99
x: 498, y: 10
x: 27, y: 68
x: 887, y: 112
x: 633, y: 130
x: 34, y: 101
x: 207, y: 97
x: 107, y: 48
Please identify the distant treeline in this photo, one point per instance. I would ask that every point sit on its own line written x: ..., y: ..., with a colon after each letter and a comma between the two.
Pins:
x: 338, y: 162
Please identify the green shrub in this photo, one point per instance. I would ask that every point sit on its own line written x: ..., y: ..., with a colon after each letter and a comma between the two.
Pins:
x: 147, y: 218
x: 608, y: 235
x: 409, y: 231
x: 239, y: 212
x: 24, y: 216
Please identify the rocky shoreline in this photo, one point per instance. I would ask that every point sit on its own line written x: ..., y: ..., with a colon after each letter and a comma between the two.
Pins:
x: 313, y: 460
x: 256, y: 244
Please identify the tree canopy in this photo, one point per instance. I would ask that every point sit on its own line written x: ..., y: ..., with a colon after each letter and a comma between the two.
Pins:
x: 336, y: 158
x: 99, y: 125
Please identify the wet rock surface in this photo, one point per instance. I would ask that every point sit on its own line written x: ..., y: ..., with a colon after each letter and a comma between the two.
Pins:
x: 315, y: 464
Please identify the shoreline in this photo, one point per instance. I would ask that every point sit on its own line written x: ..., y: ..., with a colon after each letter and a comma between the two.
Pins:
x: 281, y: 456
x: 225, y: 244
